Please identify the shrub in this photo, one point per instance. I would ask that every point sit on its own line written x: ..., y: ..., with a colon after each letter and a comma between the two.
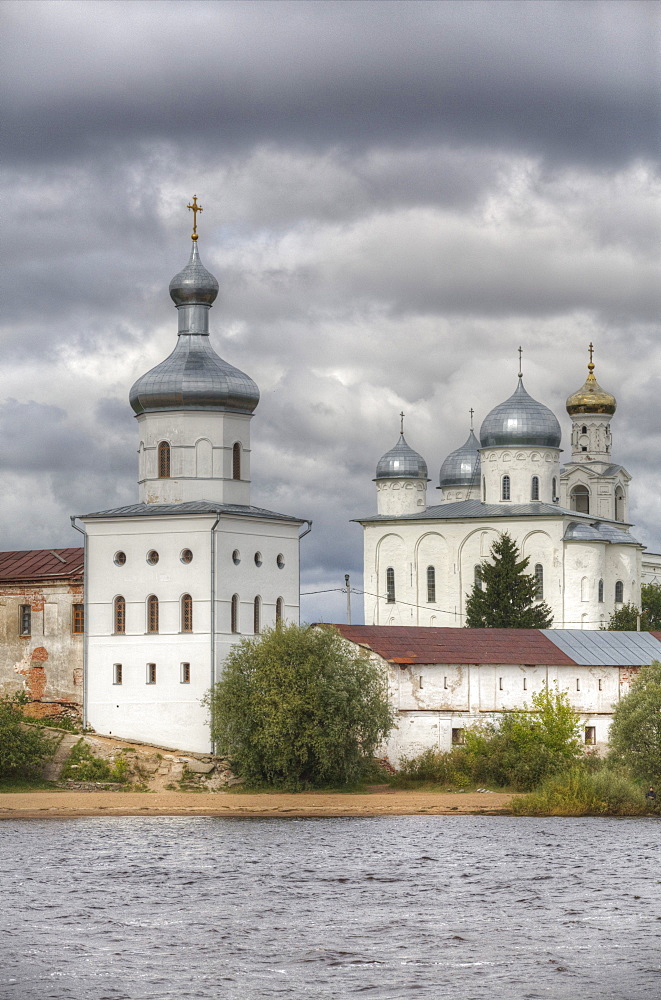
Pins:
x: 83, y: 765
x: 433, y: 767
x: 635, y: 733
x: 24, y: 749
x: 578, y: 792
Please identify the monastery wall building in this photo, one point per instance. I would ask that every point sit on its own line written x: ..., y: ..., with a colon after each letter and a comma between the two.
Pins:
x: 570, y: 521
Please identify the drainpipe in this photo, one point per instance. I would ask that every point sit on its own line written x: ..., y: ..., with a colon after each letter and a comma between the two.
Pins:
x: 85, y: 618
x: 212, y: 619
x: 306, y: 532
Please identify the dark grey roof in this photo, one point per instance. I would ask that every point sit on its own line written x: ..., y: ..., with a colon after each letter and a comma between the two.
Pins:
x: 520, y: 420
x: 462, y: 466
x: 610, y: 470
x: 191, y: 507
x: 607, y: 649
x: 475, y: 508
x: 401, y: 462
x: 598, y: 532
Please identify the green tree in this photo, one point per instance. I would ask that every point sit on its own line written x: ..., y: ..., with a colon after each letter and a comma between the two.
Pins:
x: 529, y: 745
x: 625, y: 619
x: 23, y: 748
x: 504, y: 595
x: 635, y: 733
x: 297, y: 707
x: 650, y: 601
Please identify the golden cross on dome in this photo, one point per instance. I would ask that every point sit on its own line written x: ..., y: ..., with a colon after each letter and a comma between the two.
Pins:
x: 591, y: 350
x: 520, y: 362
x: 194, y: 208
x: 401, y: 422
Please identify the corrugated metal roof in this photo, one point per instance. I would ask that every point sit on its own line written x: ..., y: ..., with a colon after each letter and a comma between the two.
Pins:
x: 476, y: 508
x: 616, y: 649
x: 41, y: 564
x: 191, y: 507
x: 550, y: 647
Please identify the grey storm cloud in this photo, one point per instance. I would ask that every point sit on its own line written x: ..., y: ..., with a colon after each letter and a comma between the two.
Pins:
x: 395, y: 197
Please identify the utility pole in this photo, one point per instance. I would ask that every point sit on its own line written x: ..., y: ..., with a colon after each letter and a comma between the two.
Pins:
x: 346, y: 581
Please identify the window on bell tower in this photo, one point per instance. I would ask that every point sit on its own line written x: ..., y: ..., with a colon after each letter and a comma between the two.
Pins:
x: 505, y: 491
x: 164, y: 460
x: 236, y: 461
x: 580, y: 499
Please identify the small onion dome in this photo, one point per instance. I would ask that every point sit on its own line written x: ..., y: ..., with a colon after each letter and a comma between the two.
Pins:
x: 193, y: 377
x: 401, y: 462
x: 194, y: 285
x: 520, y: 420
x: 462, y: 467
x: 591, y: 398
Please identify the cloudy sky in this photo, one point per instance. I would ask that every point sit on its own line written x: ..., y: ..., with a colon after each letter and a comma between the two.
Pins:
x: 396, y: 195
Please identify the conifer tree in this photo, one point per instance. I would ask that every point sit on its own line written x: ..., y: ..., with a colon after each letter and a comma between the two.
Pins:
x: 504, y: 595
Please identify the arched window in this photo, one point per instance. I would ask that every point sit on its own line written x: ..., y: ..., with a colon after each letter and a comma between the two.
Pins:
x: 580, y: 499
x: 390, y: 585
x: 279, y: 610
x: 619, y: 503
x: 601, y: 591
x: 619, y: 592
x: 119, y: 615
x: 236, y: 461
x: 539, y: 582
x: 164, y: 460
x: 477, y: 575
x: 234, y: 614
x: 187, y: 613
x: 505, y: 492
x: 431, y: 585
x: 257, y: 616
x: 584, y: 429
x: 534, y: 488
x: 152, y: 614
x: 554, y: 488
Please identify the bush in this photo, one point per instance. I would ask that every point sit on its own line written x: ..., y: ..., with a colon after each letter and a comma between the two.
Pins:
x: 24, y: 749
x: 83, y: 765
x: 433, y: 767
x: 297, y: 708
x: 635, y: 733
x: 578, y: 792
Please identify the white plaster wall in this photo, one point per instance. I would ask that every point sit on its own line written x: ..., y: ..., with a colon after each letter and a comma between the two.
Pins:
x: 201, y: 445
x: 597, y: 441
x: 520, y: 465
x: 400, y: 496
x: 650, y: 568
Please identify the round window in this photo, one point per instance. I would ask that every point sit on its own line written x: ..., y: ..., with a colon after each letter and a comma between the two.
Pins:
x: 236, y: 557
x: 258, y: 559
x: 280, y: 560
x: 120, y: 558
x: 152, y: 557
x: 186, y: 556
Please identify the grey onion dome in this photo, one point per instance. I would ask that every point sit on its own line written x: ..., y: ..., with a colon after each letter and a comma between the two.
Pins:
x: 194, y: 285
x: 520, y: 420
x: 401, y: 462
x: 462, y: 466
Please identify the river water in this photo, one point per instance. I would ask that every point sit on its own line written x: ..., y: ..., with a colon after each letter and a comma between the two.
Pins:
x: 462, y: 907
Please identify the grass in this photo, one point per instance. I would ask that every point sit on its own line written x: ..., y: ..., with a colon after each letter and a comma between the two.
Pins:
x: 19, y: 784
x: 578, y: 792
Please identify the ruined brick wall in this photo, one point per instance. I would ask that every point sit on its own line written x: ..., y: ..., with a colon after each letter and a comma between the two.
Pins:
x: 48, y: 663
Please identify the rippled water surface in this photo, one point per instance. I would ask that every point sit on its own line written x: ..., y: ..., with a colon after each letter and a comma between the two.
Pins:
x: 419, y: 906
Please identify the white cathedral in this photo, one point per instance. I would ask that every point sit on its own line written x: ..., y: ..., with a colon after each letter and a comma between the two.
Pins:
x: 173, y: 581
x: 570, y: 521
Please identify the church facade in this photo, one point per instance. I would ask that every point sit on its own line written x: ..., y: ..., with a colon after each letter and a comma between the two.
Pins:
x: 570, y: 521
x: 173, y: 581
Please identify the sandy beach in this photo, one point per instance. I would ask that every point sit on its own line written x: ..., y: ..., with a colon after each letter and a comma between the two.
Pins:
x: 66, y: 805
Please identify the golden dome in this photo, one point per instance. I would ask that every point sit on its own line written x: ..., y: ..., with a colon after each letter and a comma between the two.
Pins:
x: 591, y: 398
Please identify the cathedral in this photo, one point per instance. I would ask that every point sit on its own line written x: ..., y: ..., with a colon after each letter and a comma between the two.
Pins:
x: 571, y: 521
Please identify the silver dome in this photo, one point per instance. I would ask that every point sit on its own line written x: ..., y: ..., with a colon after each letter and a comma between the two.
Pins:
x: 401, y: 462
x: 194, y: 285
x: 520, y: 420
x: 462, y: 466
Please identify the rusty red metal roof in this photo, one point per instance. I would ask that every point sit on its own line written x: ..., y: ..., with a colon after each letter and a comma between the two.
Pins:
x: 410, y: 644
x: 41, y: 564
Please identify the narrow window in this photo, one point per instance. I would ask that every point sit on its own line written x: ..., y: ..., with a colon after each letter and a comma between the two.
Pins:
x: 187, y: 613
x: 554, y: 488
x: 236, y: 461
x: 590, y: 735
x: 78, y: 619
x: 258, y: 559
x: 601, y: 591
x: 534, y: 488
x: 25, y: 619
x: 390, y: 585
x: 619, y: 504
x: 117, y: 673
x: 431, y: 585
x: 164, y: 460
x: 185, y: 673
x: 279, y: 610
x: 584, y: 429
x: 525, y: 683
x: 152, y: 614
x: 151, y: 673
x: 235, y: 613
x: 119, y: 615
x: 445, y: 683
x: 420, y: 681
x: 500, y: 683
x: 578, y: 684
x: 600, y: 682
x: 257, y: 615
x: 619, y: 592
x: 280, y: 561
x: 505, y: 493
x: 477, y: 575
x: 580, y: 500
x: 458, y: 737
x: 539, y: 582
x: 484, y: 488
